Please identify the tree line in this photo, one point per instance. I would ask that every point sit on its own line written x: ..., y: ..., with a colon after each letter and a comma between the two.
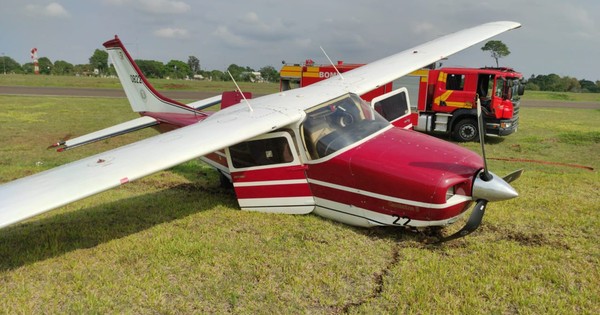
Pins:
x: 556, y: 83
x: 174, y: 69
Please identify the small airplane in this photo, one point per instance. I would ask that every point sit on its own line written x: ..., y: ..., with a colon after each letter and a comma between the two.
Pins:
x: 319, y: 149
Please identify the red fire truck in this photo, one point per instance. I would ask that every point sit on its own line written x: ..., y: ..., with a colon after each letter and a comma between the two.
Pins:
x: 437, y: 101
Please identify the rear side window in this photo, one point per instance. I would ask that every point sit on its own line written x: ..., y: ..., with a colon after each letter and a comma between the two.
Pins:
x: 393, y: 107
x: 261, y: 152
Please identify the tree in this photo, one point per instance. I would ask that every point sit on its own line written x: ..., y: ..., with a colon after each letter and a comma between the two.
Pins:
x: 9, y: 65
x: 151, y: 68
x: 62, y: 67
x: 99, y: 60
x: 45, y: 65
x: 269, y: 74
x: 194, y: 65
x: 571, y: 84
x: 497, y: 48
x: 236, y: 72
x: 217, y: 75
x: 589, y: 86
x: 178, y: 69
x: 27, y: 67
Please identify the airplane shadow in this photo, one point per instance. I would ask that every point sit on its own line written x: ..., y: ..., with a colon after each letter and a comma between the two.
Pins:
x: 27, y: 243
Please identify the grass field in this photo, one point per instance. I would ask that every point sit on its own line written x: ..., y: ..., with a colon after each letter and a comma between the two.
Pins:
x: 113, y: 83
x: 208, y: 86
x: 175, y: 242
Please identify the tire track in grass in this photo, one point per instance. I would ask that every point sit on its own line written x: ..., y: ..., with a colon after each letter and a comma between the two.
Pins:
x: 379, y: 278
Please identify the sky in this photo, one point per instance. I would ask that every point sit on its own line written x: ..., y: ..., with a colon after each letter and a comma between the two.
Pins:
x: 561, y: 37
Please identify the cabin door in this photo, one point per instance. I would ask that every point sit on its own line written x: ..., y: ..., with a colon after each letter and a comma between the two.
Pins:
x: 268, y: 176
x: 395, y: 107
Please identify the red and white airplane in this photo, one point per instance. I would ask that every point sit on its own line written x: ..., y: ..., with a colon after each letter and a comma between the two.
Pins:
x: 319, y: 149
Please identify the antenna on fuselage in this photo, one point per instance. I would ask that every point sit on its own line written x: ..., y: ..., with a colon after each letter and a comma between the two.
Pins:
x: 240, y: 90
x: 331, y: 62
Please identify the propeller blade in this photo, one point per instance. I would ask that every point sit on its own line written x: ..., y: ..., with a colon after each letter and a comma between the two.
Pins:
x: 472, y: 224
x: 513, y: 176
x: 486, y: 174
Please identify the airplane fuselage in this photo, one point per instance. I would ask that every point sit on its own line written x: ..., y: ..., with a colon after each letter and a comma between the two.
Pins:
x: 374, y: 174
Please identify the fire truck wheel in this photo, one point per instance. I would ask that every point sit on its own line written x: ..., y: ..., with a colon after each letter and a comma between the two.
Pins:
x: 466, y: 130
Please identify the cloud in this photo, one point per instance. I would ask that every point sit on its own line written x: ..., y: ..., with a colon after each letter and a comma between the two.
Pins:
x: 170, y: 32
x: 154, y: 6
x: 165, y: 6
x: 230, y: 39
x: 53, y: 9
x: 249, y: 29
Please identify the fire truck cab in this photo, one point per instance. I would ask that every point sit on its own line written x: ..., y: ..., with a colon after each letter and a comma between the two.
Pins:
x: 447, y: 101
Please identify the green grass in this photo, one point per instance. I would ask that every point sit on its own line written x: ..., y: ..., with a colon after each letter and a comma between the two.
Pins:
x: 113, y: 83
x: 561, y: 96
x: 175, y: 242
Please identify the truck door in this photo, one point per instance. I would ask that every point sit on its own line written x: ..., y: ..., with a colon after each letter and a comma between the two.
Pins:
x: 395, y: 107
x: 452, y: 93
x: 501, y: 105
x: 268, y: 176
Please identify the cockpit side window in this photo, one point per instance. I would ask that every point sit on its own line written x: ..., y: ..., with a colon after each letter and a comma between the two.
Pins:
x: 337, y: 124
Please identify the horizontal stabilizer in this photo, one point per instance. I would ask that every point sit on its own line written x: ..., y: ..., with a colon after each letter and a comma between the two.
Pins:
x: 205, y: 103
x: 117, y: 130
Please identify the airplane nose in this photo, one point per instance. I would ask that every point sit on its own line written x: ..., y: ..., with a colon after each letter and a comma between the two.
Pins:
x: 494, y: 190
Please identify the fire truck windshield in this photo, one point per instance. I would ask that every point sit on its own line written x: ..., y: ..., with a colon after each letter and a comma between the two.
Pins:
x: 516, y: 89
x: 339, y: 123
x: 508, y: 88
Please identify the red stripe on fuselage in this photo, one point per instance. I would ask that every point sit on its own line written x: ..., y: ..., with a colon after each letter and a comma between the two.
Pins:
x: 387, y: 207
x: 273, y: 191
x: 270, y: 174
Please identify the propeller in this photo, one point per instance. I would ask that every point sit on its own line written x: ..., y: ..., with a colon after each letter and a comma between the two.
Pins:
x: 486, y: 187
x: 486, y: 174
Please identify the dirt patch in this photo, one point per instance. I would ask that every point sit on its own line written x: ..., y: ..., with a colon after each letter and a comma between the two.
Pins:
x: 532, y: 239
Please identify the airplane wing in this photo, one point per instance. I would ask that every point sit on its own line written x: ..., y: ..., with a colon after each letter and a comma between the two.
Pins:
x: 38, y: 193
x: 366, y: 78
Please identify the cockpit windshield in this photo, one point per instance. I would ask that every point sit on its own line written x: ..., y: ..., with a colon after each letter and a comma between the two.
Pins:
x: 339, y: 123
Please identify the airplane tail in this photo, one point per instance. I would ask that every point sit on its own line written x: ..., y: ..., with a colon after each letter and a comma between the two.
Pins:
x: 141, y: 94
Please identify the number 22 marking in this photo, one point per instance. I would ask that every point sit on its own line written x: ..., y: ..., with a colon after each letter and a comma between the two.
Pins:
x: 399, y: 217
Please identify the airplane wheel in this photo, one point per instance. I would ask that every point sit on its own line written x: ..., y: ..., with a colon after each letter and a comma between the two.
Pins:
x: 466, y: 130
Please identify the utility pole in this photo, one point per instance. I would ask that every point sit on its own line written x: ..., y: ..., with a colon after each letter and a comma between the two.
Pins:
x: 4, y: 63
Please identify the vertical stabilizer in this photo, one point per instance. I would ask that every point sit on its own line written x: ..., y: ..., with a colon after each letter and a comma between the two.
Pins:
x: 141, y: 94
